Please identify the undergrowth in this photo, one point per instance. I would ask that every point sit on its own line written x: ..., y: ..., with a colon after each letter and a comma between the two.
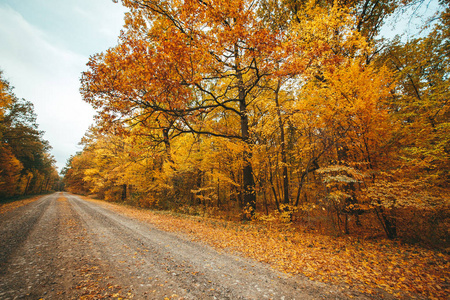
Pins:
x: 368, y: 265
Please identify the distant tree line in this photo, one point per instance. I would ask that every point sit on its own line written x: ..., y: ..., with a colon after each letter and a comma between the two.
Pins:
x: 26, y: 165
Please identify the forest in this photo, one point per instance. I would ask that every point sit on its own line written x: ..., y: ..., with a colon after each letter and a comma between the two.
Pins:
x: 26, y: 165
x: 290, y: 110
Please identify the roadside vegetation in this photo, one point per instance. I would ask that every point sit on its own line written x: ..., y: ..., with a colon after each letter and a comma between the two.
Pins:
x: 26, y: 165
x: 372, y: 266
x: 11, y: 204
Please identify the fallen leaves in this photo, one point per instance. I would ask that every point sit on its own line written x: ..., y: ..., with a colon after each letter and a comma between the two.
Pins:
x: 16, y: 204
x: 367, y: 265
x: 61, y: 199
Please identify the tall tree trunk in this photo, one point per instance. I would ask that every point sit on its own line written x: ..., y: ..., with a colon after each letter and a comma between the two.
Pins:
x: 248, y: 190
x: 273, y: 186
x: 28, y: 185
x: 389, y: 225
x: 166, y: 140
x: 247, y: 170
x: 283, y: 147
x: 124, y: 192
x: 46, y: 184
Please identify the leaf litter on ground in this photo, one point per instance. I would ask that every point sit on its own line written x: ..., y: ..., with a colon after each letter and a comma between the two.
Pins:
x: 5, y: 207
x: 370, y: 266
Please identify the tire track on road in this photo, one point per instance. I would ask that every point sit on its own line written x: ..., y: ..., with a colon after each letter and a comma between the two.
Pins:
x: 188, y: 269
x: 63, y: 247
x: 16, y: 226
x: 25, y: 272
x: 140, y: 259
x: 54, y: 257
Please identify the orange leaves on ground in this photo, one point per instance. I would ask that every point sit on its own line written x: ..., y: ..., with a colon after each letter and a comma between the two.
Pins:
x: 16, y: 204
x: 61, y: 199
x: 370, y: 266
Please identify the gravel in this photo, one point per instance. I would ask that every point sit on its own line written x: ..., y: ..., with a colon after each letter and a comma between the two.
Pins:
x: 62, y: 247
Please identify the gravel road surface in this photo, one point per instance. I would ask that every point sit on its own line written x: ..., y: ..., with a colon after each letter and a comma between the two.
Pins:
x: 63, y: 247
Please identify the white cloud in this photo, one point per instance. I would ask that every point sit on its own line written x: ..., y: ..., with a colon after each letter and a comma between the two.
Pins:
x: 46, y: 72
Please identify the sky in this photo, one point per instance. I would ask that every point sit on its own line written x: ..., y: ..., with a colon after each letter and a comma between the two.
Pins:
x: 44, y: 47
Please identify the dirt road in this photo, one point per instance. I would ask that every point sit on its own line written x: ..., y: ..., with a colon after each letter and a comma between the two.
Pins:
x: 62, y: 247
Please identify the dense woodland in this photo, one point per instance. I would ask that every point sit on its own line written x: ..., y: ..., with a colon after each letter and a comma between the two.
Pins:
x: 26, y: 165
x: 290, y: 110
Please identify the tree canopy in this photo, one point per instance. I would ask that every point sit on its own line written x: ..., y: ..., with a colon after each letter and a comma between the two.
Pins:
x: 295, y: 108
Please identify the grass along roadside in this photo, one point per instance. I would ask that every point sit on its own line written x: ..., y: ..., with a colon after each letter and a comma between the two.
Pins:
x: 5, y: 207
x: 405, y: 271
